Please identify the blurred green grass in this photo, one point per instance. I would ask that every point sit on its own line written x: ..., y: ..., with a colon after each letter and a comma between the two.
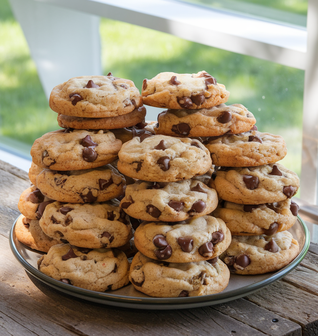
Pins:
x: 272, y: 92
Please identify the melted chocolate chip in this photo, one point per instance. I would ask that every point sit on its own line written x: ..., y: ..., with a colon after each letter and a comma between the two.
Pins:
x: 174, y: 81
x: 217, y: 237
x: 271, y: 246
x: 251, y: 182
x: 289, y: 191
x: 144, y: 136
x: 60, y: 180
x: 185, y: 102
x: 164, y: 163
x: 89, y: 197
x: 41, y: 209
x: 110, y: 74
x: 89, y: 154
x: 110, y: 215
x: 141, y: 125
x: 294, y: 207
x: 107, y: 235
x: 213, y: 260
x: 186, y: 243
x: 91, y: 85
x: 70, y: 254
x: 184, y: 293
x: 210, y: 80
x: 75, y: 98
x: 195, y: 144
x: 250, y: 207
x: 198, y: 188
x: 54, y: 220
x: 88, y: 142
x: 161, y: 145
x: 272, y: 229
x: 274, y: 206
x: 275, y: 171
x: 254, y: 138
x: 139, y: 165
x: 144, y: 84
x: 104, y: 184
x: 65, y: 210
x: 36, y: 197
x: 197, y: 207
x: 126, y: 205
x: 181, y: 129
x: 160, y: 241
x: 68, y: 220
x: 153, y: 211
x: 224, y: 117
x: 176, y: 205
x: 242, y: 260
x: 198, y: 99
x: 164, y: 253
x: 206, y: 250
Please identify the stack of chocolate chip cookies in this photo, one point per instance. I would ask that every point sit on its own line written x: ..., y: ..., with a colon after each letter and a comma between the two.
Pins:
x: 72, y: 199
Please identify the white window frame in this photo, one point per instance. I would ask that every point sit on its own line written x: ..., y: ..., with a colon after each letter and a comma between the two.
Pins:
x: 63, y: 37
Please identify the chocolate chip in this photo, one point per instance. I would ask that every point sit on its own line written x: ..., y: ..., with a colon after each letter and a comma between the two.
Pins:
x: 106, y: 234
x: 60, y: 180
x: 153, y: 211
x: 176, y: 205
x: 224, y: 117
x: 206, y: 250
x: 35, y: 197
x: 84, y: 249
x: 109, y: 74
x: 173, y: 81
x: 160, y: 241
x: 181, y: 129
x: 89, y: 197
x: 250, y: 207
x: 41, y: 208
x: 164, y: 253
x: 184, y: 293
x: 123, y: 217
x: 289, y: 191
x: 186, y: 243
x: 126, y: 205
x: 198, y: 188
x: 274, y: 206
x: 103, y: 184
x: 210, y: 80
x: 110, y: 215
x: 66, y: 281
x: 54, y: 220
x: 251, y: 182
x: 195, y: 144
x: 75, y: 98
x: 138, y: 284
x: 275, y: 171
x: 271, y: 246
x: 88, y: 142
x: 161, y: 145
x: 144, y: 136
x: 144, y: 84
x: 217, y: 237
x: 294, y: 207
x: 197, y: 207
x: 141, y: 125
x: 26, y: 222
x: 272, y: 229
x: 139, y: 165
x: 164, y: 163
x: 70, y: 254
x: 68, y: 220
x: 65, y: 210
x: 242, y: 260
x: 89, y: 154
x: 198, y: 99
x: 91, y: 85
x: 185, y: 102
x: 254, y: 138
x: 213, y: 261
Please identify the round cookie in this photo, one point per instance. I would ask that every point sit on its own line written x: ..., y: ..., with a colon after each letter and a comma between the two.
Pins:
x: 125, y: 120
x: 255, y: 185
x: 29, y: 233
x: 257, y: 219
x: 207, y: 122
x: 87, y: 225
x: 162, y: 279
x: 34, y: 171
x: 75, y: 149
x: 162, y: 158
x: 97, y: 270
x: 95, y: 97
x: 81, y: 186
x: 248, y: 149
x: 260, y: 254
x: 173, y: 201
x: 193, y: 240
x: 190, y: 91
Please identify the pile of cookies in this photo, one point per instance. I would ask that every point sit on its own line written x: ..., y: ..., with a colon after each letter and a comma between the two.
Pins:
x: 200, y: 191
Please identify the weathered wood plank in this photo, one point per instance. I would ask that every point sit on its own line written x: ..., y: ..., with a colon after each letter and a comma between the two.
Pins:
x: 21, y: 174
x: 291, y: 303
x: 262, y: 319
x: 313, y: 248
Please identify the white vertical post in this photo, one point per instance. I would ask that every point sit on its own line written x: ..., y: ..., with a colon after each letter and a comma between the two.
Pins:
x: 63, y: 43
x: 309, y: 168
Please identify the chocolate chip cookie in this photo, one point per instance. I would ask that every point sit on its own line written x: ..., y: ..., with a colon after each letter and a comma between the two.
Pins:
x: 95, y: 97
x: 257, y: 219
x: 75, y: 149
x: 248, y: 149
x: 193, y: 240
x: 255, y: 185
x: 88, y: 225
x: 183, y: 91
x: 169, y: 202
x: 260, y: 254
x: 94, y: 269
x: 81, y: 186
x: 165, y: 279
x: 162, y: 158
x: 213, y: 121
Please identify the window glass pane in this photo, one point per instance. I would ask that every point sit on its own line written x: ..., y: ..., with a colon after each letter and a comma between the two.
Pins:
x: 287, y: 11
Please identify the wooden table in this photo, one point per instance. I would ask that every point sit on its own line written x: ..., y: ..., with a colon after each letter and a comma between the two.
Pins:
x: 286, y: 307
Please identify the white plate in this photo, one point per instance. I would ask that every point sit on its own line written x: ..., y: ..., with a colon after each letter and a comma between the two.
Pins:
x: 239, y: 285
